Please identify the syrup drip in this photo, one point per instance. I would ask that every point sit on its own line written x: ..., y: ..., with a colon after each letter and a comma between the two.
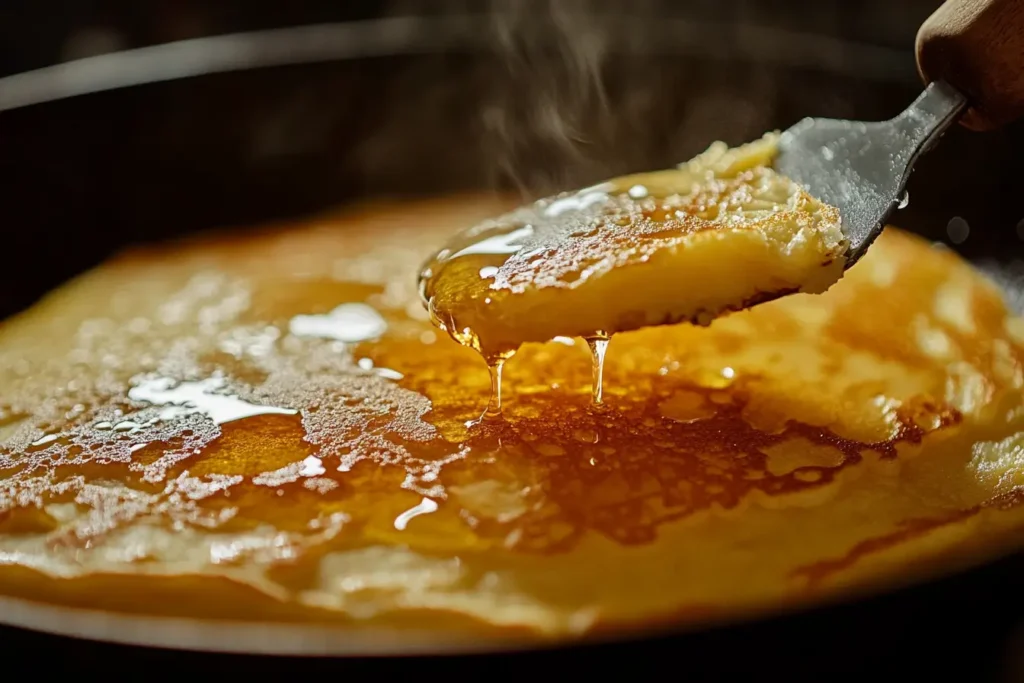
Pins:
x: 598, y: 347
x: 494, y: 404
x: 493, y: 410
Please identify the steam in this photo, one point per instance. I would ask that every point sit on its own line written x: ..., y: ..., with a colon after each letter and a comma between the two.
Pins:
x: 553, y: 55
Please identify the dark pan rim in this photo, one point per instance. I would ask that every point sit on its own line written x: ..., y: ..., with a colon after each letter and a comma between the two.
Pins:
x: 412, y: 35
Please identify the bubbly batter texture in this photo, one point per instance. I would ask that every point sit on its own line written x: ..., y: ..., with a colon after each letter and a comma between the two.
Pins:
x: 720, y: 233
x: 265, y: 427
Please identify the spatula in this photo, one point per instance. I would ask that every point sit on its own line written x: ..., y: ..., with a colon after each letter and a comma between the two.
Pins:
x: 972, y: 52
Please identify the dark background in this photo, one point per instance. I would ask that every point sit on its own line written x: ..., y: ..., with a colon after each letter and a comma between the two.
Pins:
x: 520, y: 101
x: 35, y: 34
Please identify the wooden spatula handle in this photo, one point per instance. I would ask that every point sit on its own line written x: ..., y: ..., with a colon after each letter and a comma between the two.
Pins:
x: 978, y: 47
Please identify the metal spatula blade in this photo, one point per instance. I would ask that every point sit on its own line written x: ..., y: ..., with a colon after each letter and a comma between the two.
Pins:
x: 862, y: 168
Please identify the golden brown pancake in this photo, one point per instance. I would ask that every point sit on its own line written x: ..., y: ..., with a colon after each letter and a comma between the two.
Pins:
x: 265, y: 427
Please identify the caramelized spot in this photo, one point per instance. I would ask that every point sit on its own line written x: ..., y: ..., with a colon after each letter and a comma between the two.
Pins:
x: 254, y: 446
x: 26, y: 520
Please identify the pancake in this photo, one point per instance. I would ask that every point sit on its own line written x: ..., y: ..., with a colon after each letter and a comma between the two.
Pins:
x: 264, y: 427
x: 717, y: 234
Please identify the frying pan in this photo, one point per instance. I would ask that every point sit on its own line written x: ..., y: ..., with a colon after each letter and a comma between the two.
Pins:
x: 399, y: 107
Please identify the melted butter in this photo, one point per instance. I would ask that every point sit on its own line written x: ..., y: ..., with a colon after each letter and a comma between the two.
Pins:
x: 425, y: 507
x: 773, y: 458
x: 186, y: 398
x: 43, y: 440
x: 353, y: 322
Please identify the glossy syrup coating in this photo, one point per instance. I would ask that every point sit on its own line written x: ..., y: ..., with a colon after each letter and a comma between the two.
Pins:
x: 717, y: 234
x: 266, y: 426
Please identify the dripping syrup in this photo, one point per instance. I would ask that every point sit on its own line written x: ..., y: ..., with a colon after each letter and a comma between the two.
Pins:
x: 598, y: 347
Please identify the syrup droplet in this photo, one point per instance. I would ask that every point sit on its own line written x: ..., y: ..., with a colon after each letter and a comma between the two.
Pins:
x: 904, y: 200
x: 42, y: 441
x: 721, y: 378
x: 598, y: 346
x: 495, y: 403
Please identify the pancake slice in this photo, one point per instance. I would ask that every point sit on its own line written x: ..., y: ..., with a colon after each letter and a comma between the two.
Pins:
x: 718, y: 234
